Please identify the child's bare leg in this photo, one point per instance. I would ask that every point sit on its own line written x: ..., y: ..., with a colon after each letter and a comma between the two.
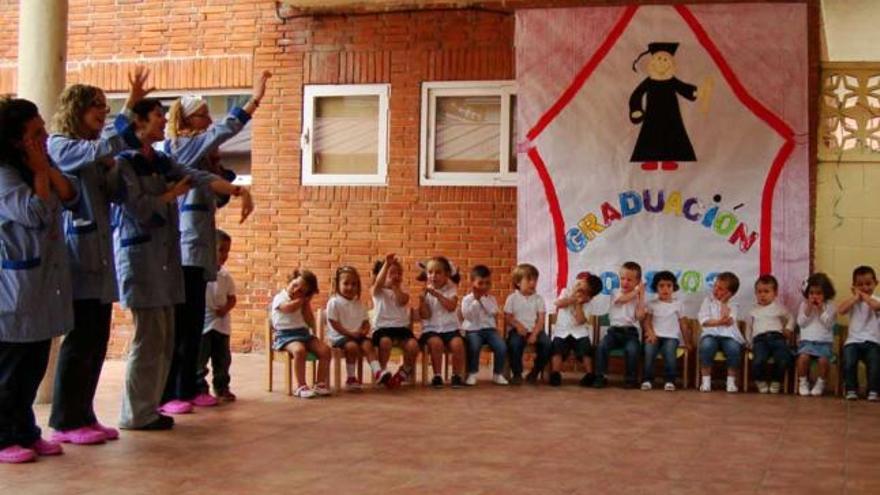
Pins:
x: 435, y: 345
x: 352, y: 352
x: 555, y: 363
x: 322, y: 351
x: 385, y: 345
x: 456, y: 346
x: 803, y: 365
x: 299, y: 353
x: 588, y: 365
x: 368, y: 350
x: 823, y: 368
x: 410, y: 353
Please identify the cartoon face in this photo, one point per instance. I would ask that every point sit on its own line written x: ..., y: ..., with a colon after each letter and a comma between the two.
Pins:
x: 661, y: 66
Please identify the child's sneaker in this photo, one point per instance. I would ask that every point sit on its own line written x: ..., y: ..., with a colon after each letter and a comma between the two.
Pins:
x: 775, y: 387
x: 851, y: 395
x: 397, y: 380
x: 16, y: 454
x: 532, y: 377
x: 321, y: 390
x: 457, y: 382
x: 763, y: 388
x: 818, y: 388
x: 204, y: 399
x: 303, y: 392
x: 471, y: 380
x: 647, y: 386
x: 669, y: 387
x: 587, y: 380
x: 381, y: 377
x: 516, y: 379
x: 600, y: 382
x: 873, y: 397
x: 731, y: 385
x: 498, y: 379
x: 437, y: 381
x: 706, y: 384
x: 226, y: 396
x: 44, y: 447
x: 352, y: 384
x: 555, y: 379
x: 804, y: 386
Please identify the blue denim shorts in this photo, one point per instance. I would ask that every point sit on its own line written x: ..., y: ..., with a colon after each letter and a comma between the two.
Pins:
x: 816, y: 349
x: 284, y: 337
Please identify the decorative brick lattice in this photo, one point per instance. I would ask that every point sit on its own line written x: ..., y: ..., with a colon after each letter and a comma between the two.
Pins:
x: 850, y: 112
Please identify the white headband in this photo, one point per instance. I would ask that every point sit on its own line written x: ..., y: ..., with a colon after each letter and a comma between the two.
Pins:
x: 191, y: 103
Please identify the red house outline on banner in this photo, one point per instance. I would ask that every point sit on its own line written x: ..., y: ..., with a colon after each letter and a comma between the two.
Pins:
x: 753, y: 105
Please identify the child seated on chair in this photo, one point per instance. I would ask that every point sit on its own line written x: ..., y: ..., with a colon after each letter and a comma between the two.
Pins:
x: 627, y: 311
x: 393, y: 319
x: 720, y: 331
x: 294, y: 321
x: 573, y: 331
x: 524, y: 312
x: 771, y: 328
x: 348, y: 327
x: 816, y: 316
x: 479, y: 310
x: 437, y: 308
x: 663, y: 330
x: 863, y: 339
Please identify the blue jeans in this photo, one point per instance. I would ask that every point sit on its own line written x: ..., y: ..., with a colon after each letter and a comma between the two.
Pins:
x: 732, y: 350
x: 764, y: 347
x: 669, y: 348
x: 626, y: 338
x: 475, y: 342
x: 516, y: 345
x: 869, y: 352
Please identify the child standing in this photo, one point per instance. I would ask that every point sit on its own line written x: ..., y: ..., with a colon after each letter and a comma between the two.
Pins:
x: 720, y: 331
x: 219, y: 301
x: 393, y: 319
x: 439, y: 320
x: 348, y: 326
x: 663, y: 330
x: 815, y: 318
x: 524, y: 313
x: 479, y: 310
x: 863, y: 340
x: 771, y: 328
x: 293, y: 321
x: 626, y: 313
x: 573, y: 330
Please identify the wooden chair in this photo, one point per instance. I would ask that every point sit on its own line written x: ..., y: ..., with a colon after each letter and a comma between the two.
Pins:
x: 719, y: 356
x: 285, y: 357
x: 337, y: 355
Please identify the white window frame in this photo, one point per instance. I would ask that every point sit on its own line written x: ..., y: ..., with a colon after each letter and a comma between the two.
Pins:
x: 430, y: 91
x: 312, y: 91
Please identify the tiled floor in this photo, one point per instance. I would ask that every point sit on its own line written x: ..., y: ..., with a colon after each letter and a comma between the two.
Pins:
x: 484, y: 440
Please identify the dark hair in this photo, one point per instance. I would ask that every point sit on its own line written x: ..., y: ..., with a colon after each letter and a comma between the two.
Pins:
x: 143, y: 108
x: 308, y: 277
x: 664, y: 276
x: 523, y: 270
x: 594, y: 284
x: 480, y: 271
x: 377, y: 266
x: 15, y: 113
x: 821, y: 281
x: 443, y: 262
x: 730, y: 279
x: 768, y: 279
x: 222, y: 236
x: 346, y: 270
x: 632, y: 265
x: 863, y: 270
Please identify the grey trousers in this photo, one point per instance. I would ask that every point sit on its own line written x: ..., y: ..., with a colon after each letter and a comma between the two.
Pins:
x: 149, y: 360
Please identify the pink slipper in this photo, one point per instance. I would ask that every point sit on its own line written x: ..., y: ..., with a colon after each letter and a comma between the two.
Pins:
x: 79, y: 436
x: 45, y: 447
x: 109, y: 433
x: 204, y: 400
x: 176, y: 407
x: 16, y: 454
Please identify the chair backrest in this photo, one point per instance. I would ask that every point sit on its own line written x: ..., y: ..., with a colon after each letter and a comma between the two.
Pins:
x: 321, y: 323
x: 551, y: 323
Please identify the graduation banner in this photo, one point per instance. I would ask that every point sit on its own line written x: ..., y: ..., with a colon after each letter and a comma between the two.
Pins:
x: 673, y: 136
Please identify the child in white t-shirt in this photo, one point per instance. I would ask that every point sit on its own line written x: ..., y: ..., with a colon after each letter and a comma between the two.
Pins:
x: 573, y: 332
x: 524, y: 312
x: 626, y: 314
x: 663, y: 330
x: 479, y: 310
x: 437, y: 308
x: 720, y: 331
x: 863, y: 340
x: 392, y: 319
x: 770, y: 329
x: 219, y: 301
x: 816, y: 316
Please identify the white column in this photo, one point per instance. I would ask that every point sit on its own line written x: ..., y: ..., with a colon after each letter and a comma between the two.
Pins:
x: 42, y: 64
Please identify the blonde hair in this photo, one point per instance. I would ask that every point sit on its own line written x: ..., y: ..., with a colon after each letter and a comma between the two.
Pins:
x: 177, y: 125
x: 72, y: 105
x: 523, y: 270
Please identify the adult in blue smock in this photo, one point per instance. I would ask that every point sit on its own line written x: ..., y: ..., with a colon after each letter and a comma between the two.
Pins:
x: 35, y: 294
x: 146, y: 245
x: 81, y: 145
x: 193, y: 140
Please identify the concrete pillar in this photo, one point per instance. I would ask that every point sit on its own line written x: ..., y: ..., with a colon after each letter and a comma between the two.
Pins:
x: 42, y: 65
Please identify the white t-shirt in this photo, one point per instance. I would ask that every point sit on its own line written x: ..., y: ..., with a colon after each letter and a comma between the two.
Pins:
x: 665, y: 318
x: 623, y: 315
x: 770, y: 318
x: 478, y: 314
x: 864, y: 324
x: 525, y: 308
x: 711, y: 310
x: 350, y: 313
x: 285, y: 321
x: 817, y: 327
x: 441, y: 320
x: 566, y: 323
x: 216, y: 295
x: 389, y: 314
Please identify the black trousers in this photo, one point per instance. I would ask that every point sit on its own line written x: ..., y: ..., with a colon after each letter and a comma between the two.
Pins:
x: 215, y: 346
x: 80, y: 361
x: 189, y: 319
x: 22, y: 366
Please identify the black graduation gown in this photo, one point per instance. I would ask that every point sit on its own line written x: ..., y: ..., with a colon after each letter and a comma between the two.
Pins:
x: 663, y: 136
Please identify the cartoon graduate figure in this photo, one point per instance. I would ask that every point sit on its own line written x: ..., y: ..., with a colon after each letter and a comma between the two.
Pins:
x: 663, y: 141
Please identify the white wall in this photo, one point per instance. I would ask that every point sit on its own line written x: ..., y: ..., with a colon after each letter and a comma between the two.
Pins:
x: 851, y: 30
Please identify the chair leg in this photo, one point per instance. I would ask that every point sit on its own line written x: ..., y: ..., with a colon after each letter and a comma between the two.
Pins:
x: 337, y: 370
x: 684, y: 374
x: 288, y: 373
x: 425, y: 357
x: 745, y: 370
x: 269, y: 370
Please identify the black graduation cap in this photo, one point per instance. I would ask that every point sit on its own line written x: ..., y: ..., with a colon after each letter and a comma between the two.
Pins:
x: 655, y: 47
